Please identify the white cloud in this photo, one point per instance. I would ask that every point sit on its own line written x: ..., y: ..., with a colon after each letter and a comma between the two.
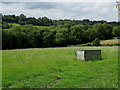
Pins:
x: 58, y: 1
x: 64, y: 10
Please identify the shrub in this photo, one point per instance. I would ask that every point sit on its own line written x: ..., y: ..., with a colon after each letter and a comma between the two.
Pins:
x: 118, y: 37
x: 87, y: 44
x: 96, y: 42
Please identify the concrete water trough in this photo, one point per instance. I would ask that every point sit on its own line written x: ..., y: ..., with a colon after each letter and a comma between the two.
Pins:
x: 86, y: 55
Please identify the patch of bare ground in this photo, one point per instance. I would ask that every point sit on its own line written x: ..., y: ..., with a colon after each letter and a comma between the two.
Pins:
x: 55, y: 80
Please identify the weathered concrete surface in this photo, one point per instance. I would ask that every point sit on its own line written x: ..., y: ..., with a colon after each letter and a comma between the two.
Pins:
x: 88, y: 55
x: 80, y: 55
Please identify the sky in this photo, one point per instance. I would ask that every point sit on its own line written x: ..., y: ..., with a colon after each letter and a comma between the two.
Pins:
x: 63, y: 10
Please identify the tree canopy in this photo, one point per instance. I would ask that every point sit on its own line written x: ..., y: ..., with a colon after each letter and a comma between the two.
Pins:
x: 30, y: 32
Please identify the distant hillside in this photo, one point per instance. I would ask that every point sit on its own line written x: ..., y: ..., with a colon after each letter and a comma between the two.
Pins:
x: 45, y: 21
x: 23, y: 32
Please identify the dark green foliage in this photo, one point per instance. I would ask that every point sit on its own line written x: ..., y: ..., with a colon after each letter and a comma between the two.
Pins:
x: 45, y: 21
x: 22, y: 17
x: 116, y: 31
x: 44, y: 32
x: 61, y: 37
x: 77, y: 33
x: 96, y: 42
x: 87, y: 44
x: 101, y: 31
x: 21, y: 23
x: 5, y: 25
x: 33, y: 21
x: 7, y: 38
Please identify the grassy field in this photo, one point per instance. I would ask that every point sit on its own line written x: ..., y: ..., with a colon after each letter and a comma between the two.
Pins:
x: 58, y: 68
x: 110, y: 42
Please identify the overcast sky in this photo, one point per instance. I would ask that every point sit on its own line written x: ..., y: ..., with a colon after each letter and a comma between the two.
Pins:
x: 63, y: 10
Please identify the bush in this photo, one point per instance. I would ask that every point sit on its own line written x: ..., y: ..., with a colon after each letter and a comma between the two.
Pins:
x: 87, y: 44
x: 116, y: 31
x: 118, y: 37
x: 96, y: 42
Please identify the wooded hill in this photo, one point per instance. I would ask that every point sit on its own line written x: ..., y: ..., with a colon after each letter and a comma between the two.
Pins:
x: 30, y: 32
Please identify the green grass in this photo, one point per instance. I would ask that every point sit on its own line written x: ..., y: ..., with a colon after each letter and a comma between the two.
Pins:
x: 58, y: 68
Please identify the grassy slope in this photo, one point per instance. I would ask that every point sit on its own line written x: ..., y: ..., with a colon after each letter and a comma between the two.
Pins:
x: 110, y: 42
x: 58, y: 68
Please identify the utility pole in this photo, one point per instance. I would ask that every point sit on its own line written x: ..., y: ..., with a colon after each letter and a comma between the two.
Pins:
x: 118, y: 7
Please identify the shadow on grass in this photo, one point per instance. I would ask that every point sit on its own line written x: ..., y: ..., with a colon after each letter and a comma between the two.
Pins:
x: 93, y: 60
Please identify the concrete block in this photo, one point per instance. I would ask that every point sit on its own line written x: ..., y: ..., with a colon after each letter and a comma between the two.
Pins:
x: 88, y: 55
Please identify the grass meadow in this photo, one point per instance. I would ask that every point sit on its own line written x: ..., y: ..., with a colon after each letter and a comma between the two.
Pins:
x: 58, y: 68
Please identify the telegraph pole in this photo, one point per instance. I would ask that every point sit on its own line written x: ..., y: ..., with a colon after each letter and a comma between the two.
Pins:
x: 118, y: 7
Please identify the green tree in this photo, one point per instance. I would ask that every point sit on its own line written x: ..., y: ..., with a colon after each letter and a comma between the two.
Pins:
x: 116, y: 31
x: 101, y: 31
x: 107, y: 30
x: 61, y: 37
x: 96, y: 42
x: 77, y: 32
x: 90, y: 34
x: 20, y: 39
x: 22, y: 19
x: 33, y: 21
x: 45, y: 21
x: 7, y: 39
x: 5, y: 25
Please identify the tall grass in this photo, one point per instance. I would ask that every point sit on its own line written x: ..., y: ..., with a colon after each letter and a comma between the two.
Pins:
x: 58, y: 68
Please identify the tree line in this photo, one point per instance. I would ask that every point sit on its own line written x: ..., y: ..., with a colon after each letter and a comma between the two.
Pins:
x: 44, y: 32
x: 45, y: 21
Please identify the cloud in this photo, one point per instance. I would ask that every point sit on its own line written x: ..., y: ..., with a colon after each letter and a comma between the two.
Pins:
x: 58, y: 0
x: 64, y: 10
x: 41, y: 5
